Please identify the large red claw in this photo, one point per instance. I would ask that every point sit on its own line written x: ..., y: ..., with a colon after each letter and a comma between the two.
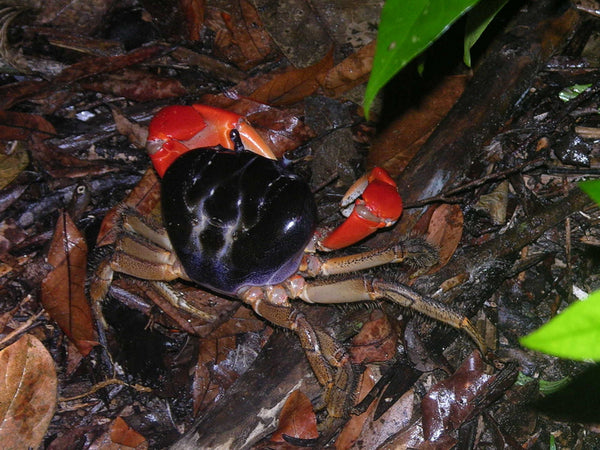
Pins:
x: 177, y: 129
x: 377, y: 204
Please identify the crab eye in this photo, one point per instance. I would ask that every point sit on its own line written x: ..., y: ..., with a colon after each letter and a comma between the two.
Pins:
x: 235, y: 218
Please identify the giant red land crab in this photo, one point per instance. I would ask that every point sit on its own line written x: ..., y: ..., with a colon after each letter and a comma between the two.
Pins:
x: 238, y: 222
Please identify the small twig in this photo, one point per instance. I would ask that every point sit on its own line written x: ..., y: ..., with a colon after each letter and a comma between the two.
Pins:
x: 102, y: 385
x: 22, y: 329
x: 449, y: 196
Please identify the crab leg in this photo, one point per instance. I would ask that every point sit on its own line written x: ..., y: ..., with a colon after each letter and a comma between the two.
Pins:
x: 142, y: 252
x: 365, y: 288
x: 372, y: 202
x: 177, y: 129
x: 327, y: 358
x: 414, y: 250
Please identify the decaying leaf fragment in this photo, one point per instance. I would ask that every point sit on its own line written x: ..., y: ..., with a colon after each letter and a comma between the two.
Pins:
x: 297, y: 419
x: 63, y: 289
x: 122, y: 434
x: 27, y: 393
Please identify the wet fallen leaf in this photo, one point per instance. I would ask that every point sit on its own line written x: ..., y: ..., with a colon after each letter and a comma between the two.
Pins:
x: 451, y: 401
x: 81, y: 15
x: 136, y: 134
x: 20, y: 126
x: 123, y: 434
x: 119, y: 436
x: 63, y: 289
x: 281, y: 128
x: 27, y: 393
x: 297, y: 419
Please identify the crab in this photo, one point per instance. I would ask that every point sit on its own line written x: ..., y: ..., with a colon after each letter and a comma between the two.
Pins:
x: 238, y: 222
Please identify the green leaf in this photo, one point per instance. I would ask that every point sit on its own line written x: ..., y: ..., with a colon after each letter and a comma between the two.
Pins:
x: 477, y: 21
x: 571, y: 92
x: 405, y: 30
x: 573, y: 334
x: 545, y: 387
x: 592, y: 189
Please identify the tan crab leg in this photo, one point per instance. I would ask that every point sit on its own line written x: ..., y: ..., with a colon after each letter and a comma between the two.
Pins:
x: 369, y: 288
x: 144, y: 252
x: 328, y: 359
x: 415, y: 250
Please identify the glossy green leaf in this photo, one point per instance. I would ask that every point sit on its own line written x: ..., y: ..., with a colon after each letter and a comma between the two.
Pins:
x: 405, y: 30
x: 592, y: 189
x: 569, y: 93
x: 573, y: 334
x: 478, y: 20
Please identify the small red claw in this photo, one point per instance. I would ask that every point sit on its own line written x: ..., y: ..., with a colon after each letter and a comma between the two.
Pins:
x: 177, y: 129
x: 377, y: 204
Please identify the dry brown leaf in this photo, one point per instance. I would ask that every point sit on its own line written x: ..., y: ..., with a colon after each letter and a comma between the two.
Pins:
x: 351, y: 72
x: 397, y: 145
x: 193, y: 10
x: 293, y: 85
x: 297, y: 419
x: 210, y: 379
x: 136, y: 85
x: 135, y: 133
x: 123, y: 434
x: 445, y: 232
x: 20, y: 126
x: 27, y: 393
x: 376, y: 341
x: 63, y: 289
x: 248, y: 34
x: 11, y: 94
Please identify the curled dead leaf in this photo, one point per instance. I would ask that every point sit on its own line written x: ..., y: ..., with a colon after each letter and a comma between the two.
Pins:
x: 27, y: 393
